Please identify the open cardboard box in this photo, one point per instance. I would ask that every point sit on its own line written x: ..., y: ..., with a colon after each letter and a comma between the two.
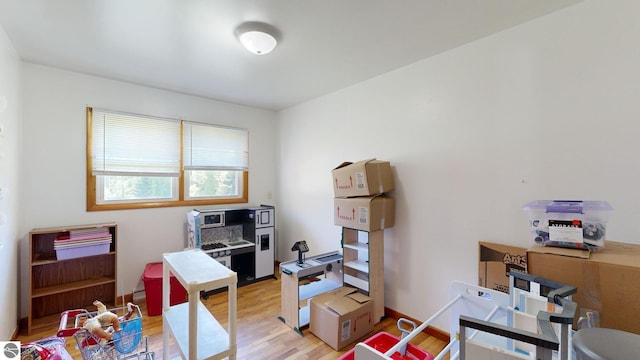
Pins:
x: 342, y: 316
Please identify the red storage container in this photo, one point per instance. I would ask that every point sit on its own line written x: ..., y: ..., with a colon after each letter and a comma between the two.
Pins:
x: 152, y: 278
x: 383, y: 341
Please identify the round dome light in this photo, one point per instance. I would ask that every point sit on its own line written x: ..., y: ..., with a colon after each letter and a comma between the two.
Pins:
x: 258, y: 42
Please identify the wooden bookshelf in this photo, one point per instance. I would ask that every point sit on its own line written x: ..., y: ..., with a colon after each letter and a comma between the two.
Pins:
x: 59, y: 285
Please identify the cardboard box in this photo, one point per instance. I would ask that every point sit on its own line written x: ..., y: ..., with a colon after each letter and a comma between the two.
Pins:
x: 363, y: 178
x: 341, y: 317
x: 608, y: 281
x: 369, y: 213
x: 496, y: 261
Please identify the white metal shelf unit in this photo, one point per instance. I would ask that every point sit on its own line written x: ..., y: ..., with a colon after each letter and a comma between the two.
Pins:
x: 197, y: 333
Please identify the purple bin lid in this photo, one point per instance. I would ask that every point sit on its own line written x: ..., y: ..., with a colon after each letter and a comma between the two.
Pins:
x: 568, y: 206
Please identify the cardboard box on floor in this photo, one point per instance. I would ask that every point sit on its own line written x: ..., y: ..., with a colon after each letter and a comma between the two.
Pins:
x: 340, y: 317
x: 362, y: 178
x: 368, y: 213
x: 608, y: 281
x: 496, y: 261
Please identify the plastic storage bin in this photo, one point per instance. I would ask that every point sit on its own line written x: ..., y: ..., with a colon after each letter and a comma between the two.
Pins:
x: 72, y: 252
x: 383, y: 341
x: 152, y: 278
x: 568, y: 223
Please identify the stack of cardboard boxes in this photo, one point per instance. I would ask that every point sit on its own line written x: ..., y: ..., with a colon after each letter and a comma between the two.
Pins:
x: 360, y: 202
x: 343, y: 316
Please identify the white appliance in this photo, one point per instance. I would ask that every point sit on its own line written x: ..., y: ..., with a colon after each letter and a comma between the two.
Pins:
x: 264, y: 217
x: 211, y: 219
x: 264, y: 240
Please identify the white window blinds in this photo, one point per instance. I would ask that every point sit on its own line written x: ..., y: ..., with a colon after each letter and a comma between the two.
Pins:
x: 134, y: 145
x: 210, y: 147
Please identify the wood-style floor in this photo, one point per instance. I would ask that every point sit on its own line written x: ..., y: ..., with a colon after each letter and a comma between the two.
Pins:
x: 260, y: 334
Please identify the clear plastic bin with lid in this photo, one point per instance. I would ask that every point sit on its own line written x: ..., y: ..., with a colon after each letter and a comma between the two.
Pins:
x: 568, y: 223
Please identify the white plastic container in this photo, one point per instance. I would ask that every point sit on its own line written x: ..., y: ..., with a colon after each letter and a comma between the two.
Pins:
x: 568, y: 223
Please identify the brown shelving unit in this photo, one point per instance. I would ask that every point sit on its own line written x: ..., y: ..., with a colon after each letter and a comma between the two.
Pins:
x: 59, y: 285
x: 363, y: 262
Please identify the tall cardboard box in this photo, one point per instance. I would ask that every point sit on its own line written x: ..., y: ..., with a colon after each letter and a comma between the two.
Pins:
x: 341, y: 317
x: 362, y: 178
x: 367, y: 213
x: 608, y: 281
x: 496, y: 261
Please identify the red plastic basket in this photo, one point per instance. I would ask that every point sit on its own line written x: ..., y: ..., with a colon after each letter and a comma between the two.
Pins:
x: 383, y: 341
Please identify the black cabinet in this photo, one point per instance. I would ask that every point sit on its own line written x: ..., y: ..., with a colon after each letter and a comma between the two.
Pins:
x: 244, y: 266
x: 236, y: 217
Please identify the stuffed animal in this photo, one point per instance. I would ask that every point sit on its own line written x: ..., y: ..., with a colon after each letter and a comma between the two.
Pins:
x: 96, y: 325
x: 130, y: 312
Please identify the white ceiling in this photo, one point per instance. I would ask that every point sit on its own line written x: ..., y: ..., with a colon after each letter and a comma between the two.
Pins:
x: 189, y: 45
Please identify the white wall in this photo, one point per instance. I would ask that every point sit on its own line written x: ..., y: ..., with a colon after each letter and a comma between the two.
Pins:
x: 545, y: 110
x: 10, y: 99
x: 53, y: 178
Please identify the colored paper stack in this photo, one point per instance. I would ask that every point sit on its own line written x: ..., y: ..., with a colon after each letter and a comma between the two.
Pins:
x: 82, y: 242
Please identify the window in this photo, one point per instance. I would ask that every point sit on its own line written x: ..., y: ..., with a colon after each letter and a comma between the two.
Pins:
x: 214, y: 159
x: 138, y: 161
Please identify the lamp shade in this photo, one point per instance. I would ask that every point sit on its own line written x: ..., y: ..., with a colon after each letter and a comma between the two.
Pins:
x: 258, y: 42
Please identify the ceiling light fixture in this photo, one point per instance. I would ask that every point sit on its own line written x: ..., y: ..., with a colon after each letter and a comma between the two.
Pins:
x: 258, y: 38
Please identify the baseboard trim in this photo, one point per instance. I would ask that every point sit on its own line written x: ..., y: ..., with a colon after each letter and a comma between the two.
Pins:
x: 128, y: 298
x: 429, y: 330
x: 14, y: 336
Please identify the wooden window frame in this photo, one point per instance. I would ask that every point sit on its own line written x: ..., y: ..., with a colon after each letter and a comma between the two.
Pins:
x: 92, y: 205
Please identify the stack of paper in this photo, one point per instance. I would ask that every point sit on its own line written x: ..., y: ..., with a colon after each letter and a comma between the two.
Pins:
x: 83, y: 237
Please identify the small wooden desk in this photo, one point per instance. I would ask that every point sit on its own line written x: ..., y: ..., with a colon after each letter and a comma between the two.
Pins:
x: 325, y: 274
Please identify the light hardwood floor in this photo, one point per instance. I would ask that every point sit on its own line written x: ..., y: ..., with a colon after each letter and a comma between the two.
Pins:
x: 261, y: 335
